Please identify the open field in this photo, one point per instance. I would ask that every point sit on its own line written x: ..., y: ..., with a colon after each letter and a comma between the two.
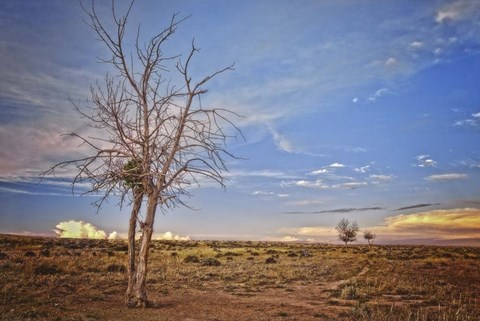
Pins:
x: 73, y: 279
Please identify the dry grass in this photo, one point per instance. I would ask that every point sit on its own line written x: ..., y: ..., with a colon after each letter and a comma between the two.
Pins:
x: 62, y: 279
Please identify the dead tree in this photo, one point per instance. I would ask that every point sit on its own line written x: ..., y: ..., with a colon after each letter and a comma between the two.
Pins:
x: 155, y: 139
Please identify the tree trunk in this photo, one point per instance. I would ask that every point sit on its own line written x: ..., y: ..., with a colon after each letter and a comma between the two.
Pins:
x: 137, y: 204
x: 139, y: 293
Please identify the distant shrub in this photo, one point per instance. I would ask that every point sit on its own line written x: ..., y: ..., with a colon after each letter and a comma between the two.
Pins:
x: 305, y: 253
x: 45, y: 253
x: 121, y: 248
x: 174, y: 254
x: 271, y: 260
x: 292, y: 254
x: 3, y: 255
x: 191, y: 259
x: 116, y: 268
x: 29, y: 254
x: 46, y: 269
x: 233, y: 254
x: 211, y: 262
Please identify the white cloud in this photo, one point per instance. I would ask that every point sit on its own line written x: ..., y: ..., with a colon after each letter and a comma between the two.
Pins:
x: 379, y: 93
x: 383, y: 178
x: 457, y: 10
x: 362, y: 169
x: 470, y: 163
x: 445, y: 15
x: 263, y: 193
x: 169, y: 236
x: 311, y: 184
x: 311, y: 202
x: 425, y: 161
x: 466, y: 122
x: 281, y: 141
x: 114, y: 236
x: 416, y: 45
x: 283, y: 195
x: 391, y: 62
x: 336, y: 165
x: 446, y: 177
x: 79, y: 229
x: 319, y: 184
x: 355, y: 100
x: 320, y: 171
x: 287, y: 238
x: 474, y: 121
x: 350, y: 185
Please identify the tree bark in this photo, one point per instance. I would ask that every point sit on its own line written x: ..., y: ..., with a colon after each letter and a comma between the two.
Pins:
x: 139, y: 293
x: 137, y: 204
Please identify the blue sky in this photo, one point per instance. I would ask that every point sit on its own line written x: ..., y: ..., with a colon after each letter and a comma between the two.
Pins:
x: 360, y: 109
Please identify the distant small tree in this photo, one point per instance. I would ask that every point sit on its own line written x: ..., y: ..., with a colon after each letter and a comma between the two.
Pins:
x: 369, y: 236
x: 347, y: 231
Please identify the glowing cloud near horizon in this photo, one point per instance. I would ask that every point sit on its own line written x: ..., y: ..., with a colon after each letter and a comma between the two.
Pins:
x: 459, y: 223
x: 79, y: 229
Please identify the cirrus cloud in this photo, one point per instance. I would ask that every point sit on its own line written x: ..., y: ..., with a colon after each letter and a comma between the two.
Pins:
x: 446, y: 177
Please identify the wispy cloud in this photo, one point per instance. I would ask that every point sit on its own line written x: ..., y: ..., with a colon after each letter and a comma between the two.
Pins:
x: 446, y: 177
x: 457, y: 10
x: 281, y: 141
x: 473, y: 121
x: 339, y: 210
x: 362, y: 169
x: 320, y: 171
x: 416, y: 206
x: 425, y: 161
x: 320, y: 184
x: 381, y: 178
x: 266, y: 173
x: 379, y: 93
x: 470, y: 163
x: 264, y: 193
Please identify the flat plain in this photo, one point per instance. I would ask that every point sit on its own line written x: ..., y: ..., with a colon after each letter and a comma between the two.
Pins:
x: 79, y: 279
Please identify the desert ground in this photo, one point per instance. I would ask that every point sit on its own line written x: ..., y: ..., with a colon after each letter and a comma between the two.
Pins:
x: 78, y: 279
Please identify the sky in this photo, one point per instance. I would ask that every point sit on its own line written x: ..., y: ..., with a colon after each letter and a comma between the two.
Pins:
x: 365, y: 110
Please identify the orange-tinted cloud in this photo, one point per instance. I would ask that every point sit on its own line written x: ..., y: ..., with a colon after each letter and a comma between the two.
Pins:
x: 444, y: 224
x: 430, y: 226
